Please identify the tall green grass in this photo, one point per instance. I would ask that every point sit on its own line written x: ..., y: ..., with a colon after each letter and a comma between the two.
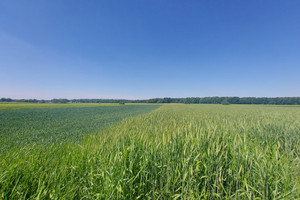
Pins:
x: 175, y: 152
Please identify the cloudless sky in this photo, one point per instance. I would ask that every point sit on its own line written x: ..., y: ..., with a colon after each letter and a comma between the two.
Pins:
x: 144, y: 49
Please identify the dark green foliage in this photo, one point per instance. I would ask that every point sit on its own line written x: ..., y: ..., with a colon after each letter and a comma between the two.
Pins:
x: 60, y: 101
x: 27, y: 100
x: 225, y: 102
x: 6, y: 100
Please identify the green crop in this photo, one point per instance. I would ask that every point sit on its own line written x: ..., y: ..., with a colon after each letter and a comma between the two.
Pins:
x: 174, y: 152
x: 57, y: 124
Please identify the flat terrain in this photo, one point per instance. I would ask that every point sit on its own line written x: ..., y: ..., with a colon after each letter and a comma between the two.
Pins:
x: 22, y: 124
x: 173, y: 152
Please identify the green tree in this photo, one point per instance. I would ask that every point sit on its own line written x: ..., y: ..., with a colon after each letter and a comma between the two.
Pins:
x: 225, y: 102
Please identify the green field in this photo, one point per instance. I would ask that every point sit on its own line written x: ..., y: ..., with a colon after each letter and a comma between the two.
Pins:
x: 172, y: 152
x: 50, y: 123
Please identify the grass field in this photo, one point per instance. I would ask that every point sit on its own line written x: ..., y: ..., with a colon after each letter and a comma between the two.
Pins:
x: 173, y: 152
x: 57, y: 123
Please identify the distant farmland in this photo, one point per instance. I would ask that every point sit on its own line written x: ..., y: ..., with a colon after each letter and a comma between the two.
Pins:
x: 57, y: 123
x: 150, y: 152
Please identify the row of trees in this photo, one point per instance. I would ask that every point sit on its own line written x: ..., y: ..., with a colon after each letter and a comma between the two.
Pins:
x: 23, y: 100
x: 231, y: 100
x: 245, y: 100
x: 188, y: 100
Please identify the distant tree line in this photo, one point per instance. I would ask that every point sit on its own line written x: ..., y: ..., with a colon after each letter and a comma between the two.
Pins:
x: 24, y: 100
x: 230, y: 100
x: 6, y: 100
x: 188, y: 100
x: 60, y: 101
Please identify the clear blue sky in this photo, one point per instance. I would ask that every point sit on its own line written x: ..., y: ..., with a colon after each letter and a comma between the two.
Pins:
x: 143, y: 49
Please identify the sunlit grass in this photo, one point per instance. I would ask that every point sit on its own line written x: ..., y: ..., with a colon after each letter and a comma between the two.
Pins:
x: 175, y: 152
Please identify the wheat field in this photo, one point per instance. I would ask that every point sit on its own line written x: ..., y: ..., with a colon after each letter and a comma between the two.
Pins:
x: 174, y: 152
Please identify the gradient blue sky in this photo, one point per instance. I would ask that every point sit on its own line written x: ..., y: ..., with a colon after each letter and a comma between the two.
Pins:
x: 143, y: 49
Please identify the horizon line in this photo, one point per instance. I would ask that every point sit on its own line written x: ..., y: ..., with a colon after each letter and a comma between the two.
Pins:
x: 137, y: 99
